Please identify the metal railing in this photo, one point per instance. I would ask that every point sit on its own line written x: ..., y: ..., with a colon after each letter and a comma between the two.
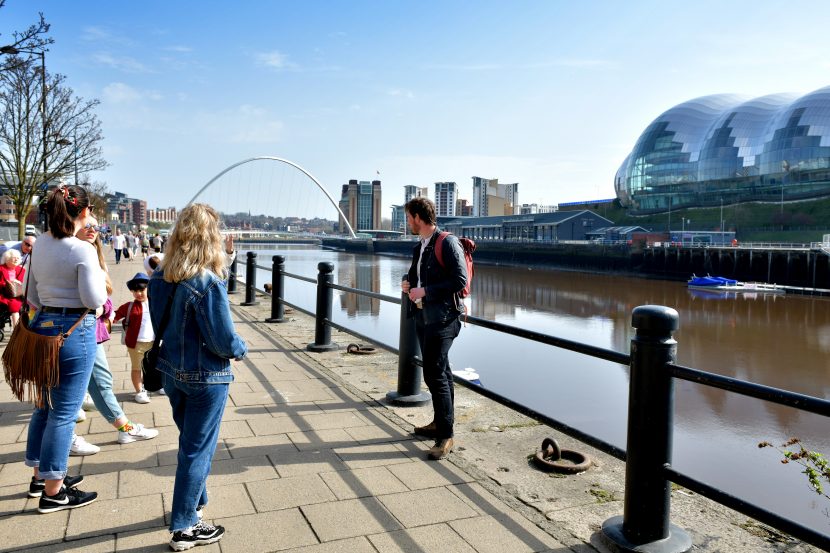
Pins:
x: 649, y: 472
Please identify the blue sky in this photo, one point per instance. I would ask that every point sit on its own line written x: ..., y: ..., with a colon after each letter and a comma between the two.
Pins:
x: 549, y: 94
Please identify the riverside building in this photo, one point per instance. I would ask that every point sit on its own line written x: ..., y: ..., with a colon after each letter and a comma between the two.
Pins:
x: 724, y: 149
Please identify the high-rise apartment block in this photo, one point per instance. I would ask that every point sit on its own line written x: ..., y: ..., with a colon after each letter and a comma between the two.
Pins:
x: 463, y: 208
x: 410, y: 192
x: 445, y: 196
x: 360, y: 201
x: 399, y: 218
x: 162, y: 215
x: 492, y: 198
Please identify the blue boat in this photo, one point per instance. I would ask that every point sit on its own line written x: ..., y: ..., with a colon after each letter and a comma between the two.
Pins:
x: 722, y: 284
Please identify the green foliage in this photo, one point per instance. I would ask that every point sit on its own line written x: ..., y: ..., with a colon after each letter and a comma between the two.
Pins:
x: 815, y: 464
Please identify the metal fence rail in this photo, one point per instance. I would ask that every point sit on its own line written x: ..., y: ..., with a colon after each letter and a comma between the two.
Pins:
x: 645, y: 525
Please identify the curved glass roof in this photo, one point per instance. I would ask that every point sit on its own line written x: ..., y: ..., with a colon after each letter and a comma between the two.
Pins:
x: 724, y: 142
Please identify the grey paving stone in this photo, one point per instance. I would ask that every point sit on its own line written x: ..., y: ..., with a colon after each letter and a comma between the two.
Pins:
x: 437, y: 537
x: 350, y: 545
x: 12, y: 453
x: 233, y: 471
x: 116, y: 459
x: 374, y: 434
x: 306, y: 462
x: 116, y: 515
x: 168, y: 453
x: 234, y: 429
x: 365, y: 482
x: 372, y: 455
x: 285, y: 493
x: 223, y: 502
x: 288, y: 529
x: 428, y: 506
x: 16, y: 531
x: 18, y: 474
x: 321, y: 439
x: 106, y: 484
x: 427, y: 474
x: 97, y: 544
x: 255, y: 446
x: 349, y: 518
x: 12, y: 501
x: 257, y: 398
x: 153, y: 480
x: 505, y: 532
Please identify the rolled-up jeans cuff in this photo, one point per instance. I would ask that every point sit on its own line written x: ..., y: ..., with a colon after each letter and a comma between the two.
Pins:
x: 30, y: 463
x: 52, y: 475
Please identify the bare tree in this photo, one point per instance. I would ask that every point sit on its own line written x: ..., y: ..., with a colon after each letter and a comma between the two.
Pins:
x: 32, y: 38
x: 36, y: 147
x: 98, y: 198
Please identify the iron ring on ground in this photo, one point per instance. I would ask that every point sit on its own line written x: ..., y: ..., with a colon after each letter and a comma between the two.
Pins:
x: 357, y: 349
x: 554, y: 459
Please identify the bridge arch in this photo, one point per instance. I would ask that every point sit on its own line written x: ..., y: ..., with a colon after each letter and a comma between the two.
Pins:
x: 287, y: 162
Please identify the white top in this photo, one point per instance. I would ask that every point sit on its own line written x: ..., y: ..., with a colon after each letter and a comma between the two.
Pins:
x: 145, y: 331
x: 66, y: 273
x: 119, y: 242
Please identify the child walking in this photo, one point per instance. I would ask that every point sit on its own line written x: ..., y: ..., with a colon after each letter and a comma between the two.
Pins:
x: 138, y: 330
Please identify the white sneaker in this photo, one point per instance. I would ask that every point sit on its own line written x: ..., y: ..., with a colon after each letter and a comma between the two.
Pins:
x: 88, y: 404
x: 81, y: 447
x: 142, y: 397
x: 137, y: 432
x: 161, y: 392
x: 81, y: 416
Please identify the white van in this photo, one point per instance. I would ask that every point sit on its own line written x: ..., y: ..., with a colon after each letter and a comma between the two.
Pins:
x: 30, y: 229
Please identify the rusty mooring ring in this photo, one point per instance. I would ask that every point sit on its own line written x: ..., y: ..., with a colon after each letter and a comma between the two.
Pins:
x: 357, y: 349
x: 551, y: 456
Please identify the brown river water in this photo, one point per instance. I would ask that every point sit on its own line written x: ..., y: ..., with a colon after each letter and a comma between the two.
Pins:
x: 780, y: 341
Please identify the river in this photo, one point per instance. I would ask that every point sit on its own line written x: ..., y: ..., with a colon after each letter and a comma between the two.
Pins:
x: 780, y: 341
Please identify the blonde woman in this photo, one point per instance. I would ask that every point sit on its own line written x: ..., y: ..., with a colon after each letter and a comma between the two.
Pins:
x: 197, y: 344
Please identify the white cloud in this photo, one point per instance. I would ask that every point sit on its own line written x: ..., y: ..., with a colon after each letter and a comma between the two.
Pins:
x: 274, y: 59
x: 178, y: 48
x: 120, y: 93
x: 575, y: 63
x: 245, y: 124
x: 401, y: 93
x: 125, y: 64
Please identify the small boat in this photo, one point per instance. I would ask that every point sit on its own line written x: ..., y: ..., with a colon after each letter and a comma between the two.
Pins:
x: 721, y: 284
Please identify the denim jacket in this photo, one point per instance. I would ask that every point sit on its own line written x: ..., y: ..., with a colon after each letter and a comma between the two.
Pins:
x: 441, y: 303
x: 200, y: 339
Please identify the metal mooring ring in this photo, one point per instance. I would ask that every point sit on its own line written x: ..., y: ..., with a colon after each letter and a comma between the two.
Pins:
x: 552, y: 458
x: 357, y: 349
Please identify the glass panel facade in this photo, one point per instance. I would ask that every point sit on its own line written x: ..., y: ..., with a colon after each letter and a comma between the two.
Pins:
x: 727, y: 148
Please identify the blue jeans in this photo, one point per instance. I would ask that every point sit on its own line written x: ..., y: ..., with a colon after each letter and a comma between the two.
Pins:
x: 117, y: 256
x: 100, y: 388
x: 197, y: 411
x: 51, y: 428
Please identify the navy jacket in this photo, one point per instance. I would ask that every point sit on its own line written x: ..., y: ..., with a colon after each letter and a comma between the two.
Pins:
x: 442, y: 284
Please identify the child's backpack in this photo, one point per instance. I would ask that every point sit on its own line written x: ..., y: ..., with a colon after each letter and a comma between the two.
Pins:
x: 469, y: 247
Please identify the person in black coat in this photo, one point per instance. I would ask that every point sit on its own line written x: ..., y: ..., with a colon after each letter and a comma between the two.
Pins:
x: 433, y: 289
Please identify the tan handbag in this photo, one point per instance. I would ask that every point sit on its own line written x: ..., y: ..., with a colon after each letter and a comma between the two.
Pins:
x: 31, y: 361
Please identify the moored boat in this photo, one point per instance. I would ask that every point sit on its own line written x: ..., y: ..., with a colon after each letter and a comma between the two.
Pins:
x: 722, y: 284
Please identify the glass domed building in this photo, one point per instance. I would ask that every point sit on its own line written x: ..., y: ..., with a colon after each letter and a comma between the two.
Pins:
x: 725, y: 148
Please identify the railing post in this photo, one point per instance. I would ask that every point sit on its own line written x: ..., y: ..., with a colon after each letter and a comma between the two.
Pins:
x: 250, y: 280
x: 325, y: 295
x: 277, y: 283
x: 645, y: 526
x: 409, y: 366
x: 232, y: 276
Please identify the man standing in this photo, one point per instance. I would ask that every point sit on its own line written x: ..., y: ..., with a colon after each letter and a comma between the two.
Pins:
x: 118, y: 244
x: 433, y: 289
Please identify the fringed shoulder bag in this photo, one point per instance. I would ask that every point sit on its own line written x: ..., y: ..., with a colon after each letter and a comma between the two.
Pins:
x: 31, y: 361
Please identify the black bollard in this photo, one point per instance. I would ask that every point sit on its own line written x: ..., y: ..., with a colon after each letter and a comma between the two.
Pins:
x: 409, y: 367
x: 645, y: 526
x: 277, y: 283
x: 325, y: 295
x: 232, y: 276
x: 250, y: 280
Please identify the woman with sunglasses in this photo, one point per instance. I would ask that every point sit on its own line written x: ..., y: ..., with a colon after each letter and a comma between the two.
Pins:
x: 66, y: 282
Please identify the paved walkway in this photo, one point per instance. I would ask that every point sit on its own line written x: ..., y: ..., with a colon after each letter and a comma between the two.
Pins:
x: 303, y: 464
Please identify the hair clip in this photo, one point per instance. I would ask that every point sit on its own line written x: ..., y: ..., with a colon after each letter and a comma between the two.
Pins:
x: 71, y: 199
x: 64, y: 191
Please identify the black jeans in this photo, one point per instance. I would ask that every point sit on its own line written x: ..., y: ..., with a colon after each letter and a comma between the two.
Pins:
x: 436, y: 340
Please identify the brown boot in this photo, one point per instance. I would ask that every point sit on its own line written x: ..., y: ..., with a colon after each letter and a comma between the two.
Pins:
x: 428, y: 430
x: 441, y: 449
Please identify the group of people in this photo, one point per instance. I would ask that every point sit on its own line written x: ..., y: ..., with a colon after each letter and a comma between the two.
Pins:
x: 69, y: 284
x: 182, y: 304
x: 127, y: 245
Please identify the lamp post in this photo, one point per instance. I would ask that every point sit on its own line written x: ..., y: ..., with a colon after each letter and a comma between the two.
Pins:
x: 11, y: 50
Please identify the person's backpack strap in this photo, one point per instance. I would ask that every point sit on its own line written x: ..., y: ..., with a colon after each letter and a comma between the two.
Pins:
x: 439, y: 248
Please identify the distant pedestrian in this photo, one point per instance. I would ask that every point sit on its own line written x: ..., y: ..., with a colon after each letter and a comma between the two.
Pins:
x: 118, y: 243
x: 197, y: 345
x: 433, y: 290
